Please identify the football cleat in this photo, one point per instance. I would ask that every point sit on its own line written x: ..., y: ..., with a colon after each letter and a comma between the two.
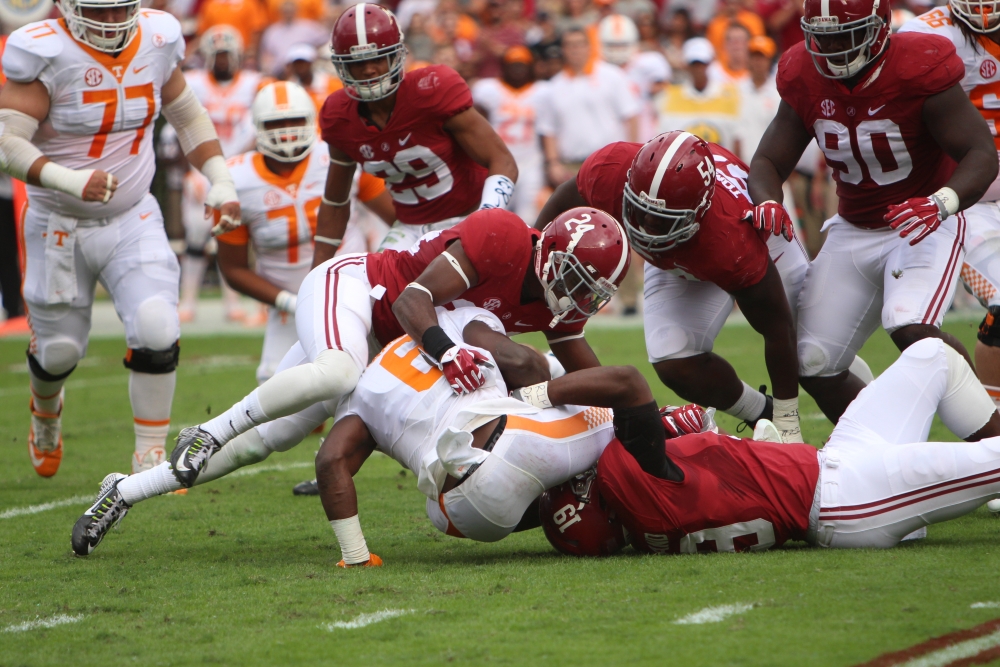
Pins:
x: 106, y: 513
x: 45, y: 446
x: 310, y: 488
x: 373, y: 561
x: 153, y: 457
x: 766, y: 431
x: 191, y: 453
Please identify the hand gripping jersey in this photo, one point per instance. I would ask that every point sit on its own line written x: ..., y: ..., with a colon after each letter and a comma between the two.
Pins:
x: 498, y: 244
x: 102, y: 107
x: 428, y: 174
x: 737, y: 495
x: 725, y: 250
x: 228, y: 105
x: 874, y: 136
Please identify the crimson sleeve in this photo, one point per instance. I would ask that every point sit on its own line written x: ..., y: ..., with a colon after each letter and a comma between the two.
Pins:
x: 934, y: 65
x: 601, y: 179
x: 492, y: 239
x: 443, y: 93
x: 749, y: 265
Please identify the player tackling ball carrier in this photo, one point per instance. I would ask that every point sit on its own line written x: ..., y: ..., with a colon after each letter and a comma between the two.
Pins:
x: 418, y: 132
x: 887, y: 113
x: 76, y: 123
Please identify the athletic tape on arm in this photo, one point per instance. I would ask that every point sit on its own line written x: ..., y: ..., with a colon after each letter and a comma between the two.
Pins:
x: 190, y: 119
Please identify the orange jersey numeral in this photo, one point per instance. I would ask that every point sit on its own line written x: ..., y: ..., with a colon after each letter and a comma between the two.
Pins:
x: 109, y: 98
x: 402, y: 367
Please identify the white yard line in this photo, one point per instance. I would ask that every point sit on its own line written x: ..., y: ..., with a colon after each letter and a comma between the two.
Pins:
x: 984, y: 605
x: 714, y: 614
x: 277, y: 467
x: 366, y: 619
x: 955, y: 652
x: 60, y: 619
x: 45, y: 507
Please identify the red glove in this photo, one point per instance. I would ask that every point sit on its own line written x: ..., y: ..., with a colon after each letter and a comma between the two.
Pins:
x: 684, y: 420
x: 770, y: 216
x: 913, y: 213
x: 461, y: 367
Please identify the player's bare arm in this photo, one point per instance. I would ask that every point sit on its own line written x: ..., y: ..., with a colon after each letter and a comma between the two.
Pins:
x: 335, y: 210
x: 520, y: 365
x: 572, y: 350
x: 201, y: 147
x: 22, y: 107
x: 444, y: 280
x: 481, y: 142
x: 382, y: 206
x: 234, y: 262
x: 565, y: 197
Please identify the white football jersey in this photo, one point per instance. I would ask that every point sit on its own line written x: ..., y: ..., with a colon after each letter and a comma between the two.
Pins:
x: 645, y: 70
x: 279, y: 213
x: 228, y: 105
x: 512, y: 114
x: 102, y: 108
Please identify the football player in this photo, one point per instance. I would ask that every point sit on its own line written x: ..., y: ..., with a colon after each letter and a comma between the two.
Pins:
x: 551, y: 282
x: 892, y: 120
x: 440, y: 159
x: 76, y: 119
x: 280, y: 186
x: 226, y: 91
x: 874, y: 482
x: 681, y: 200
x: 973, y: 27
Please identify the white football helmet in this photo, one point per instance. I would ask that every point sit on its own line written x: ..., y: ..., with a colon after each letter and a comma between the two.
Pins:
x: 284, y: 100
x: 105, y: 37
x: 982, y: 16
x: 218, y: 39
x: 619, y: 39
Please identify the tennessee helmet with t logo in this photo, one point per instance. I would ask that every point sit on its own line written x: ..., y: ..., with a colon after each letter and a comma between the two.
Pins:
x: 222, y: 39
x: 580, y: 260
x: 982, y: 16
x: 105, y: 37
x: 285, y: 118
x: 844, y: 36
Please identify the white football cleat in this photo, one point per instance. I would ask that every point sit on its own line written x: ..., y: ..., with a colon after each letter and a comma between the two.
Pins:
x: 765, y: 431
x: 994, y: 506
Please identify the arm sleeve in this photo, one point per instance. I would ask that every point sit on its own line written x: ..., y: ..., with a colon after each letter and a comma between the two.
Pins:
x: 935, y: 65
x: 369, y: 187
x: 238, y: 236
x: 490, y: 238
x: 602, y: 177
x: 640, y: 430
x: 445, y: 94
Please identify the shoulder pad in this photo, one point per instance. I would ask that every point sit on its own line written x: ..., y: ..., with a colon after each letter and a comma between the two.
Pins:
x: 160, y: 23
x: 30, y: 49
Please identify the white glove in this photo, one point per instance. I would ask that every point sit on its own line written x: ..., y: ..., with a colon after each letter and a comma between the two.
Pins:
x: 285, y: 302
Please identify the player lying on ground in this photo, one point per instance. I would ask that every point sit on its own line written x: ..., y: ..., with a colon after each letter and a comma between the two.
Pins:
x: 551, y: 282
x: 874, y: 482
x: 482, y: 459
x: 681, y: 200
x: 76, y: 123
x: 887, y: 112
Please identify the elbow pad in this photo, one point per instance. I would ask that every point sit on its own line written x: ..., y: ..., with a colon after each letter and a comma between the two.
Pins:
x: 190, y: 119
x: 17, y: 153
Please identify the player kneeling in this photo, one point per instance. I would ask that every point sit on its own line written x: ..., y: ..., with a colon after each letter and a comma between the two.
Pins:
x: 875, y: 482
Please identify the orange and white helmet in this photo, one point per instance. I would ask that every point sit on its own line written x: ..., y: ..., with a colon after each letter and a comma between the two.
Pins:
x: 284, y: 100
x: 221, y: 38
x: 619, y: 39
x: 982, y: 16
x: 106, y: 37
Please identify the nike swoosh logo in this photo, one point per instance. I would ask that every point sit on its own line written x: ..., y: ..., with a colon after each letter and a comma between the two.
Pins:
x: 36, y: 461
x: 143, y: 216
x: 872, y: 112
x: 519, y: 323
x: 136, y: 70
x: 402, y: 142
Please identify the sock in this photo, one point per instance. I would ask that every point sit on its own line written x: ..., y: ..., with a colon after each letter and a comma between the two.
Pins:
x: 192, y: 273
x: 46, y: 396
x: 238, y: 419
x: 152, y: 396
x: 994, y: 393
x: 148, y: 484
x: 243, y: 450
x: 749, y: 406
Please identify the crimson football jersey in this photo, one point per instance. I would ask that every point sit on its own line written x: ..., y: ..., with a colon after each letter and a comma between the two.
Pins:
x: 725, y: 250
x: 498, y: 244
x: 874, y: 136
x: 430, y: 177
x: 737, y: 495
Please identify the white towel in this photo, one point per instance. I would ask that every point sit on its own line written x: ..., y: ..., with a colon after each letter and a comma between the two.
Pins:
x: 60, y: 264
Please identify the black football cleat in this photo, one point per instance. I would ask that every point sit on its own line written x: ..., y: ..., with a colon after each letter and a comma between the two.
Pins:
x: 106, y: 513
x: 191, y: 454
x: 310, y: 488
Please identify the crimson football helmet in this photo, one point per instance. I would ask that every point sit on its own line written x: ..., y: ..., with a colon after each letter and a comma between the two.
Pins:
x: 582, y: 257
x: 982, y: 16
x: 368, y: 32
x: 844, y: 36
x: 576, y: 520
x: 669, y: 189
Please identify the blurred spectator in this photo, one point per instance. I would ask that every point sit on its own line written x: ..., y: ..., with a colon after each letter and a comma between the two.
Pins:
x: 648, y: 31
x: 311, y: 10
x: 759, y: 97
x: 590, y: 104
x: 549, y: 63
x: 419, y: 43
x: 456, y: 32
x: 782, y: 19
x: 635, y: 8
x: 699, y: 12
x: 679, y: 31
x: 709, y: 109
x: 247, y: 16
x: 501, y: 29
x: 290, y: 31
x: 734, y: 69
x: 299, y: 67
x: 407, y: 9
x: 511, y: 104
x: 648, y: 71
x: 577, y: 15
x: 732, y: 11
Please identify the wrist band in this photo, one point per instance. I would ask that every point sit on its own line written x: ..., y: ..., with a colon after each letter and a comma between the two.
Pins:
x: 947, y: 200
x: 536, y: 395
x: 436, y: 342
x: 334, y: 203
x: 327, y: 240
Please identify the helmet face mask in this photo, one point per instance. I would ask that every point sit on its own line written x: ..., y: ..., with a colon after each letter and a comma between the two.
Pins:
x: 841, y: 46
x: 571, y: 293
x: 218, y: 40
x: 673, y: 227
x: 362, y: 34
x: 107, y: 37
x: 982, y: 16
x: 285, y: 119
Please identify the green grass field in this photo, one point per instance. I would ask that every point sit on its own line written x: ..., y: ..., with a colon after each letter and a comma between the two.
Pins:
x: 241, y: 572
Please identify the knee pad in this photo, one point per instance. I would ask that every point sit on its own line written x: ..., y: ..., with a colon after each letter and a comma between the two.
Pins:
x: 965, y: 407
x: 61, y: 358
x: 154, y: 362
x: 335, y: 373
x: 155, y: 324
x: 248, y: 448
x: 989, y: 330
x: 813, y: 359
